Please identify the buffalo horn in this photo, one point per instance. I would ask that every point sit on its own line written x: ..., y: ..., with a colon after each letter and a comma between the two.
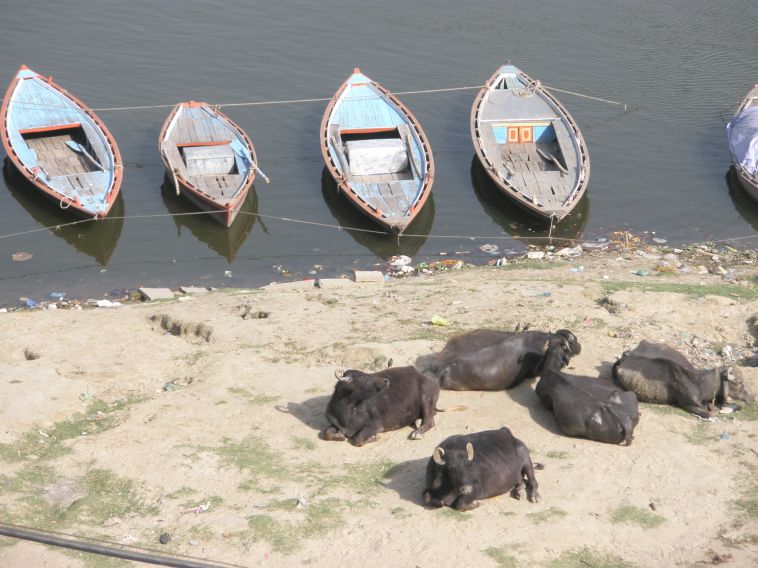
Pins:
x: 438, y: 456
x: 339, y: 374
x: 470, y: 451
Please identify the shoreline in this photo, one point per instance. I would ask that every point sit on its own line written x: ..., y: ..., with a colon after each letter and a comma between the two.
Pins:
x: 705, y: 258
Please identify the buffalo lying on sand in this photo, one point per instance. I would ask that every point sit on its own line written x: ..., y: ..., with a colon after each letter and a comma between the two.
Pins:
x: 487, y: 359
x: 464, y: 469
x: 658, y: 373
x: 583, y: 406
x: 365, y: 404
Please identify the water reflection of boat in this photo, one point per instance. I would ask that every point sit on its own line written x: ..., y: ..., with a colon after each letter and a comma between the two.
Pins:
x: 519, y: 223
x: 743, y: 202
x: 96, y: 238
x: 224, y: 241
x: 382, y: 245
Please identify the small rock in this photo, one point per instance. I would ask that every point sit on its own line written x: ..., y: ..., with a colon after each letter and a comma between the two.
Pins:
x: 570, y: 251
x: 164, y: 538
x: 151, y: 294
x: 702, y: 269
x: 30, y: 354
x: 535, y: 255
x: 659, y: 240
x: 21, y: 256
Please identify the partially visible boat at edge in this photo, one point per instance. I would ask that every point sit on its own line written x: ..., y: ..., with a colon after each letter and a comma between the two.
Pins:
x: 376, y: 151
x: 60, y: 145
x: 742, y: 132
x: 209, y: 159
x: 529, y: 144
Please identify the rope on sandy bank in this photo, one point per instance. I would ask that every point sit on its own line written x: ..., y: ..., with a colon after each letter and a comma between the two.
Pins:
x: 311, y: 100
x: 106, y: 548
x: 344, y: 228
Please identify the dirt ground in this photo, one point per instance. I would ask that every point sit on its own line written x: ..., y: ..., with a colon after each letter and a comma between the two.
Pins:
x: 185, y: 418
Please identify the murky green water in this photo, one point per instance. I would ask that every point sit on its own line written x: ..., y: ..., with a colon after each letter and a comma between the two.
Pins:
x: 660, y: 166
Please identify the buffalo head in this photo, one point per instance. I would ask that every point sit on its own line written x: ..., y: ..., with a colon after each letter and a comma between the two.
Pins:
x: 733, y: 385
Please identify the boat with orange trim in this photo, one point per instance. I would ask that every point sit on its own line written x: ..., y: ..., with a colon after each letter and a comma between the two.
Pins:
x: 60, y: 145
x: 209, y: 159
x: 376, y: 151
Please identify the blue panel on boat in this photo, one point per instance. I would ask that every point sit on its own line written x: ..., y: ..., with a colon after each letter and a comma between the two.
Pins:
x: 499, y: 132
x: 544, y: 133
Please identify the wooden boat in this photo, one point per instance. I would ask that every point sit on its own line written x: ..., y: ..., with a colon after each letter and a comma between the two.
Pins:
x: 209, y: 159
x: 742, y: 131
x: 529, y: 144
x: 377, y: 152
x: 60, y: 145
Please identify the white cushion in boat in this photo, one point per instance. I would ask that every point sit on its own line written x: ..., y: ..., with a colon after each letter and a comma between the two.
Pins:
x: 379, y: 156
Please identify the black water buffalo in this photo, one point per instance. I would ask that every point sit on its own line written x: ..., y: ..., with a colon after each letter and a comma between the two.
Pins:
x: 583, y: 406
x: 487, y: 359
x: 364, y: 404
x: 658, y: 373
x: 464, y: 469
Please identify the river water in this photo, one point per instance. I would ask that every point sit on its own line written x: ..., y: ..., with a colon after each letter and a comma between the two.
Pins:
x: 662, y: 165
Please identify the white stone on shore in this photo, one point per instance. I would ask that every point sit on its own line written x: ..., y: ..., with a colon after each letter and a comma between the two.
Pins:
x: 151, y: 294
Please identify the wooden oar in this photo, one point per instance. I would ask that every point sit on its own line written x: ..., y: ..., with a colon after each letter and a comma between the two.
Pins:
x: 76, y: 147
x: 552, y: 158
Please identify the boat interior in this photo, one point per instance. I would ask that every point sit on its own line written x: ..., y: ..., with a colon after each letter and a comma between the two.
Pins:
x: 199, y: 149
x: 374, y: 155
x: 62, y: 150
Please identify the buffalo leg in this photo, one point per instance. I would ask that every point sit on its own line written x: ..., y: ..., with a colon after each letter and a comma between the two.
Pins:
x: 431, y: 500
x: 333, y: 435
x: 365, y: 435
x: 531, y: 482
x: 518, y: 491
x: 465, y: 503
x: 427, y: 418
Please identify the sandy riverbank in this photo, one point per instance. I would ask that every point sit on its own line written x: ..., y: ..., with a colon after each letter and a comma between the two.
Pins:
x: 116, y: 429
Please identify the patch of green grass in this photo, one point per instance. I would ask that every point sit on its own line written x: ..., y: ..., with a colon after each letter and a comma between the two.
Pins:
x: 50, y: 443
x: 748, y: 503
x: 329, y: 301
x: 694, y: 290
x: 700, y: 434
x: 183, y: 491
x: 304, y: 444
x: 588, y: 558
x: 213, y: 501
x: 557, y: 455
x: 547, y: 514
x: 663, y: 409
x: 97, y: 560
x: 315, y: 520
x: 253, y: 456
x: 451, y: 513
x: 360, y: 478
x: 252, y: 397
x: 399, y: 513
x: 636, y: 516
x: 501, y: 557
x: 531, y: 266
x: 108, y: 495
x: 748, y: 413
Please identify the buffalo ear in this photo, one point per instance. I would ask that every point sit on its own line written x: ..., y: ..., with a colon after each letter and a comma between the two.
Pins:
x: 470, y: 451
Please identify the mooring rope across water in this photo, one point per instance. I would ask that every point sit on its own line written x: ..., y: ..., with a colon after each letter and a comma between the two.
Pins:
x: 309, y: 100
x: 344, y: 228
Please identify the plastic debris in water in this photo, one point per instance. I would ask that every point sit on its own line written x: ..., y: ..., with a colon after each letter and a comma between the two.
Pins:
x: 227, y: 273
x: 58, y: 295
x: 22, y: 256
x: 489, y: 249
x: 659, y: 240
x: 437, y: 320
x: 29, y: 302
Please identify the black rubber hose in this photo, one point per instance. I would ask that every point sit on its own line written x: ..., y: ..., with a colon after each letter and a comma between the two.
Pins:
x: 72, y: 543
